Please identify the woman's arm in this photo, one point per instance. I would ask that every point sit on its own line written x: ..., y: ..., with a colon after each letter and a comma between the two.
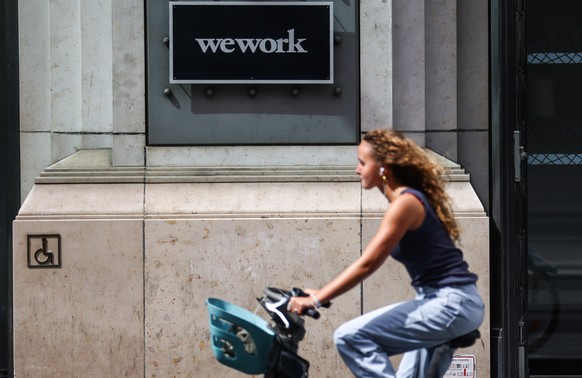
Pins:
x: 405, y: 213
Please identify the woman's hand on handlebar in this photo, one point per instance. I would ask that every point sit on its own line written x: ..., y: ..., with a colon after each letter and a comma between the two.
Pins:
x: 299, y: 305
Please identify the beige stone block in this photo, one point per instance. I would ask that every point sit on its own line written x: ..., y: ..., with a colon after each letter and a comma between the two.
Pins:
x: 128, y: 150
x: 475, y: 246
x: 253, y: 198
x: 464, y: 199
x: 234, y: 259
x: 84, y: 319
x: 236, y: 156
x: 32, y: 158
x: 60, y: 200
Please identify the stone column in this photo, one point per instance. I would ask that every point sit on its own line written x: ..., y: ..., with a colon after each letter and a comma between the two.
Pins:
x: 473, y: 93
x: 408, y: 36
x: 376, y: 65
x: 82, y: 81
x: 441, y: 77
x: 129, y: 103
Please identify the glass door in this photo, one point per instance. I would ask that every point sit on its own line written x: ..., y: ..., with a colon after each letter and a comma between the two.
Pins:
x: 554, y: 186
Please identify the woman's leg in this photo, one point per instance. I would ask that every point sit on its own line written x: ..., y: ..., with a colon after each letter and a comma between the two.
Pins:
x: 365, y: 343
x: 434, y: 317
x: 455, y: 310
x: 361, y: 354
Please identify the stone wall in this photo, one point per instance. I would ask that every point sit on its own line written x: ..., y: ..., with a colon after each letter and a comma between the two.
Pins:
x: 147, y: 233
x: 142, y: 249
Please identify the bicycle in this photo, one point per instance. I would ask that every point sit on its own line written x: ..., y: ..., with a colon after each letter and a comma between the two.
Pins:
x: 244, y: 341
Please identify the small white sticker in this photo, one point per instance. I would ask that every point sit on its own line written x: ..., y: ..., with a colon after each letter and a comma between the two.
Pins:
x: 463, y: 365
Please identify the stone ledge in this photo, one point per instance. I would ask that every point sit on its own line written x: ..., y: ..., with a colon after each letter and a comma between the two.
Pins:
x: 94, y: 167
x: 68, y: 190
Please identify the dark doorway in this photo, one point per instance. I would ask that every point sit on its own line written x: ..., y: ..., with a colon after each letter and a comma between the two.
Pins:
x: 554, y: 186
x: 508, y: 194
x: 10, y: 171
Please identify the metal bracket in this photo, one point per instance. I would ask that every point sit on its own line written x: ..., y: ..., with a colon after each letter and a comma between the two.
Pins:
x: 518, y: 155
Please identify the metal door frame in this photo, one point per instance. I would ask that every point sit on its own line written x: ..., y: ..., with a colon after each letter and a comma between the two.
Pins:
x: 508, y: 190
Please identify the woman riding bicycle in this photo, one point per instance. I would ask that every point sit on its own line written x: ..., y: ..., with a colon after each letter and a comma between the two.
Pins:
x: 418, y: 229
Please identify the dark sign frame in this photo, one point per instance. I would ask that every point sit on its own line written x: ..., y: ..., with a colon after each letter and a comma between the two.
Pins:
x: 238, y: 42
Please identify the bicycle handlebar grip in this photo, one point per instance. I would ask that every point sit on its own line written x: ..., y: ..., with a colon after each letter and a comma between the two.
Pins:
x: 312, y: 313
x: 297, y: 292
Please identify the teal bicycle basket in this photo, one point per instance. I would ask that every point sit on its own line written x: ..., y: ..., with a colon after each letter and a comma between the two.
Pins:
x: 239, y: 338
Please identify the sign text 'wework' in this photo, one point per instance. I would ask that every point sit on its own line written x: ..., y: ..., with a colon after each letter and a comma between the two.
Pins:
x: 251, y: 42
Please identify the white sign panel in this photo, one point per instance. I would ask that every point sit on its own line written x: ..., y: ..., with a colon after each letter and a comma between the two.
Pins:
x: 463, y: 365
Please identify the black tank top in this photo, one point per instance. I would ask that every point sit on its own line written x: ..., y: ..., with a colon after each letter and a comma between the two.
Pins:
x: 428, y: 253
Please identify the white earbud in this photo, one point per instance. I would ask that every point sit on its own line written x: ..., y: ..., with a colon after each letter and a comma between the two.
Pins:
x: 382, y: 171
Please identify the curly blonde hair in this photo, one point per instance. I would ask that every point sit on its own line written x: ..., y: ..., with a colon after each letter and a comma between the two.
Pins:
x: 413, y: 167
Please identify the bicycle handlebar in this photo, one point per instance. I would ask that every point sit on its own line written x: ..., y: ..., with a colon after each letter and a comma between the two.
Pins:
x: 277, y: 305
x: 297, y: 292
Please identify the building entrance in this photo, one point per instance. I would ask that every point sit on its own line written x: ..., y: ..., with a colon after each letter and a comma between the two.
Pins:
x: 554, y: 187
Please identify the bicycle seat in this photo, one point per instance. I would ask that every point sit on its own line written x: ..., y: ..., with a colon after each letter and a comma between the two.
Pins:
x: 465, y: 340
x: 462, y: 341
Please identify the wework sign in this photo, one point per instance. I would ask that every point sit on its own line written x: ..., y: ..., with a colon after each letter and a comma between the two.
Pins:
x: 251, y: 42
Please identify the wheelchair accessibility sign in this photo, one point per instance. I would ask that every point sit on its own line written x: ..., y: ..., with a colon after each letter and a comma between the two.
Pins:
x: 44, y: 251
x: 462, y: 366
